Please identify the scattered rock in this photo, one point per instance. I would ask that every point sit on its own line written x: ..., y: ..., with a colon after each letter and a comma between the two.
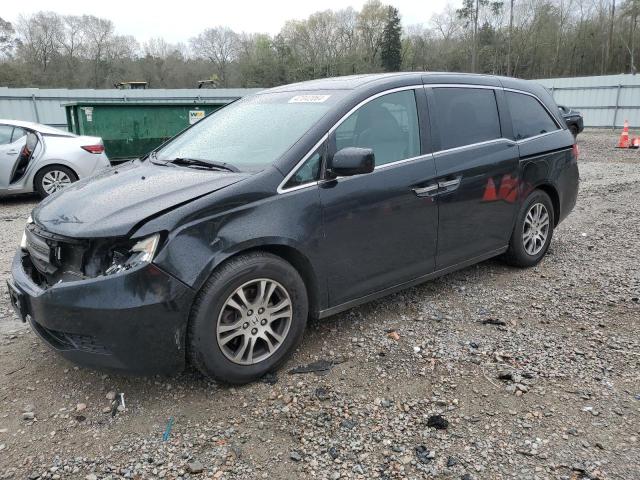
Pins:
x: 322, y: 393
x: 438, y: 422
x: 423, y: 454
x: 195, y: 467
x: 393, y: 335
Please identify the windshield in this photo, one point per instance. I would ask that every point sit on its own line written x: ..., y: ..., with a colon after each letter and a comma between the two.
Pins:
x: 253, y: 132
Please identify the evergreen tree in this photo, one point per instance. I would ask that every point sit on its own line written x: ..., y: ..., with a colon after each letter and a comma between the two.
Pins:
x: 391, y: 48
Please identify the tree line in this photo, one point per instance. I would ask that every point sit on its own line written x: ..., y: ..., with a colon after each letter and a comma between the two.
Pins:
x: 522, y: 38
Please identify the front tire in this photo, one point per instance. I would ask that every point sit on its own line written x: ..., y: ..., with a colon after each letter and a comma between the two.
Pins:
x: 248, y: 318
x: 53, y: 178
x: 533, y: 231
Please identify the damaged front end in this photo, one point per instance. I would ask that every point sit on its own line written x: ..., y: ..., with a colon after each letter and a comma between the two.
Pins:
x: 52, y: 259
x: 102, y: 302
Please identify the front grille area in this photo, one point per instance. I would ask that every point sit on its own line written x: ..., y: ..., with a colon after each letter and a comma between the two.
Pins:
x: 39, y: 251
x: 54, y: 258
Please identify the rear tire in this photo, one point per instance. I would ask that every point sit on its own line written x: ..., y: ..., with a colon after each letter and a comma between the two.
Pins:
x: 240, y: 327
x: 533, y: 231
x: 52, y: 178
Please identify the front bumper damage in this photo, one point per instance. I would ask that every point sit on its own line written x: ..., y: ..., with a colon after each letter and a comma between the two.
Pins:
x: 133, y: 321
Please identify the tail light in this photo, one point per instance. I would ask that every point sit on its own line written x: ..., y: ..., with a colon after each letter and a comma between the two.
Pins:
x: 93, y: 148
x: 576, y: 151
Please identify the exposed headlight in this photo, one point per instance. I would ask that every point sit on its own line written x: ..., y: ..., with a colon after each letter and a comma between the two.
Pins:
x: 142, y: 252
x: 23, y: 241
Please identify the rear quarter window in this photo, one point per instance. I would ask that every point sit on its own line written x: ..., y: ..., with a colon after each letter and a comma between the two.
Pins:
x: 528, y: 116
x: 18, y: 133
x: 5, y: 134
x: 466, y: 116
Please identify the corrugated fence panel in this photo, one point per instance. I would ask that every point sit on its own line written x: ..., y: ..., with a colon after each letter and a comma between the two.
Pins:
x: 47, y: 105
x: 605, y: 101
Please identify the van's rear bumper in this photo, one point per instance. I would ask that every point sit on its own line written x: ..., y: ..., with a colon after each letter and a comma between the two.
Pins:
x: 133, y: 321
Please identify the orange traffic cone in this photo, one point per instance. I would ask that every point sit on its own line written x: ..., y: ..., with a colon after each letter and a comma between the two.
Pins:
x: 490, y: 191
x: 635, y: 143
x: 624, y: 136
x: 508, y: 189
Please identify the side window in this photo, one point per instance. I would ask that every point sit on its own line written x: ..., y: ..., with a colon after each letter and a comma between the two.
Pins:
x: 308, y: 172
x: 18, y: 133
x: 466, y: 116
x: 388, y: 125
x: 5, y: 134
x: 528, y: 116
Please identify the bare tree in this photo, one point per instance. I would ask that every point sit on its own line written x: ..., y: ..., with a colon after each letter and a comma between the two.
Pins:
x: 42, y: 34
x: 218, y: 45
x: 8, y: 39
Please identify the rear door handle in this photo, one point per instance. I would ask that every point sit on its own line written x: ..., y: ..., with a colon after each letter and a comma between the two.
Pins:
x: 425, y: 191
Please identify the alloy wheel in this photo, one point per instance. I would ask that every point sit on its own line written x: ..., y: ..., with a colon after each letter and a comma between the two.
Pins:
x: 55, y: 180
x: 254, y: 321
x: 535, y: 229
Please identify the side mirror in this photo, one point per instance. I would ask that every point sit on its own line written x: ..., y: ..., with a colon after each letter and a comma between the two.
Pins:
x: 352, y: 161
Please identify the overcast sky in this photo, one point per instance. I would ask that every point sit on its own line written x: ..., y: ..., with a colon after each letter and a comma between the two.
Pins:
x: 177, y: 21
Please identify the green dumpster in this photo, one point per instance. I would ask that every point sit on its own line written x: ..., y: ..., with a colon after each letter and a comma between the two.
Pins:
x: 130, y: 129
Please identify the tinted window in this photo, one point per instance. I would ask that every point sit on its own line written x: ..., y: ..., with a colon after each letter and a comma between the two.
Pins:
x: 308, y: 172
x: 5, y: 134
x: 466, y: 116
x: 388, y: 125
x: 528, y: 116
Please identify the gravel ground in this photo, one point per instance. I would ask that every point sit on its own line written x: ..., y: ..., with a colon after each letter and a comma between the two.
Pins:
x: 487, y: 373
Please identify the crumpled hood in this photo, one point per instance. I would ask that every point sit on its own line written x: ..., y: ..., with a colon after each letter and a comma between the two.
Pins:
x: 112, y: 202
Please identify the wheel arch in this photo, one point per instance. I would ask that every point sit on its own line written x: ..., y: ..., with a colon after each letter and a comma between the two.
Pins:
x: 295, y: 258
x: 54, y: 163
x: 552, y: 191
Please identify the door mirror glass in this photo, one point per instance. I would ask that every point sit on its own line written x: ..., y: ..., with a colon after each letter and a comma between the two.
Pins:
x: 352, y: 161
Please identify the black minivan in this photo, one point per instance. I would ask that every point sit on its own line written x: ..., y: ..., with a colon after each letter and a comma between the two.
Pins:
x: 302, y: 200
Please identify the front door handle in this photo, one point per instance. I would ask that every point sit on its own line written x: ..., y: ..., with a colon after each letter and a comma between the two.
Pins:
x: 425, y: 191
x: 449, y: 183
x: 12, y: 152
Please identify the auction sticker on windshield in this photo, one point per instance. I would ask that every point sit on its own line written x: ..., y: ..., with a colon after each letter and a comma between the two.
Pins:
x: 309, y: 98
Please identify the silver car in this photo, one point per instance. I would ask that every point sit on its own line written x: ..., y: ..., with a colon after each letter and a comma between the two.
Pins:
x: 43, y: 159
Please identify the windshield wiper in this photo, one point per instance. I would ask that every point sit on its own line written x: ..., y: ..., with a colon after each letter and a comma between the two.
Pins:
x: 194, y: 162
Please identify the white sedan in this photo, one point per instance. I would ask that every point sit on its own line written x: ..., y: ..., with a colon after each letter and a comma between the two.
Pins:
x: 43, y: 159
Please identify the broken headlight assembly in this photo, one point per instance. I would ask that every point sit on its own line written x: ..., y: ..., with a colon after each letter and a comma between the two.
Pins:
x: 140, y: 253
x: 23, y: 241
